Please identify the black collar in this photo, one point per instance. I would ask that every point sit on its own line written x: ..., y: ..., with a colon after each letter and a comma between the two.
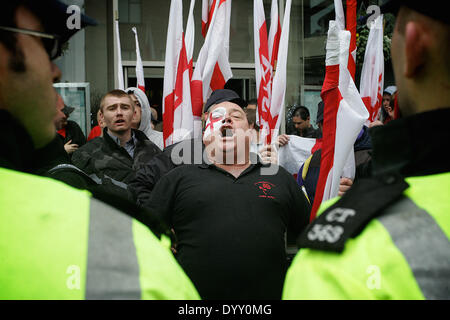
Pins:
x: 413, y: 146
x: 255, y: 160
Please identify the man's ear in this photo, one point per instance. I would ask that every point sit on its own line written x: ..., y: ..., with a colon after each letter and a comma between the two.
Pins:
x: 415, y: 48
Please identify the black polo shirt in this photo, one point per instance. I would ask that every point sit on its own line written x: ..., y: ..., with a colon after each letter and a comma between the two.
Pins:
x: 231, y: 230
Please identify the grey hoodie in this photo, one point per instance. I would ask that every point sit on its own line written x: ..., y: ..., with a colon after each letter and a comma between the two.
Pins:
x: 145, y: 126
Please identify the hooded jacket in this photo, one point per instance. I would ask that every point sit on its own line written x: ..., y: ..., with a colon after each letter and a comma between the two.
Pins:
x: 145, y: 126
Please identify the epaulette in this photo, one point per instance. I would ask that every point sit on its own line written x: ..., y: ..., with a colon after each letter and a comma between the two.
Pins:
x: 365, y: 200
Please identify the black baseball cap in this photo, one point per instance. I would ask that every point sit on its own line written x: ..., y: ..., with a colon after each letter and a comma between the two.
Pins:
x: 430, y: 8
x: 67, y: 110
x: 222, y: 95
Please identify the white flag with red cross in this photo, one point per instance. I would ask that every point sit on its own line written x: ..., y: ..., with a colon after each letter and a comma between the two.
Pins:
x: 212, y: 69
x: 274, y: 34
x: 279, y: 80
x: 372, y: 74
x: 271, y: 88
x: 139, y: 66
x: 344, y: 115
x: 178, y: 123
x: 208, y: 7
x: 263, y: 67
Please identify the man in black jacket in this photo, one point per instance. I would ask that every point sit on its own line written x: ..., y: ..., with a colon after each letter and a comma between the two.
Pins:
x: 184, y: 152
x: 114, y: 158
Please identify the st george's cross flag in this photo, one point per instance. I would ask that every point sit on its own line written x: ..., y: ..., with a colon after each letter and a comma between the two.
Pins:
x: 178, y: 123
x: 344, y: 115
x: 208, y: 7
x: 271, y: 87
x: 372, y: 74
x: 212, y: 69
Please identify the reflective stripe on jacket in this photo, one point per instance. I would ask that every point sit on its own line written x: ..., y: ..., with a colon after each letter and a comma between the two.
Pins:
x: 57, y: 242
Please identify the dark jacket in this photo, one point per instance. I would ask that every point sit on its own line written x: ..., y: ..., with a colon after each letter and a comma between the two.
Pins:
x: 110, y: 164
x: 50, y: 156
x: 73, y: 132
x: 184, y: 152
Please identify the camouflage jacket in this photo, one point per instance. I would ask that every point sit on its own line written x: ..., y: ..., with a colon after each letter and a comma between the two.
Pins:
x: 107, y: 163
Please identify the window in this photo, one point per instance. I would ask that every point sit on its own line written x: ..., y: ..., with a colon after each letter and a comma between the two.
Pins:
x: 130, y: 11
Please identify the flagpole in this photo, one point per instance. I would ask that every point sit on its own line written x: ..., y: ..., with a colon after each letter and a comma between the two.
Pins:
x: 118, y: 65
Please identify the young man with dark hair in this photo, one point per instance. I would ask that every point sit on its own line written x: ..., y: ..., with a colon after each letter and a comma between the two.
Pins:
x: 114, y: 158
x: 303, y: 127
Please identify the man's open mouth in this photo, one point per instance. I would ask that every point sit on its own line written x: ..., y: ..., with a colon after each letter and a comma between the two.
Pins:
x: 120, y: 121
x: 226, y: 132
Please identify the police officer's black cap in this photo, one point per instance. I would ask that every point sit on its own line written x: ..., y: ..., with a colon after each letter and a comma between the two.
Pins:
x: 430, y: 8
x: 54, y: 16
x: 223, y: 95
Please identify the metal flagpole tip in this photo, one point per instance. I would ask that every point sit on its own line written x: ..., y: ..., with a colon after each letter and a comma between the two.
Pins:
x: 134, y: 30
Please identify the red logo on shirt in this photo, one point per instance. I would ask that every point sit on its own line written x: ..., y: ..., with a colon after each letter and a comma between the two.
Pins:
x: 266, y: 188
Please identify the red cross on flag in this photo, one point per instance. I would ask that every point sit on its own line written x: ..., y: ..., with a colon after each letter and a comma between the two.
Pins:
x: 208, y: 7
x: 178, y: 123
x: 344, y: 115
x: 274, y: 34
x: 212, y: 69
x: 372, y: 74
x: 139, y: 66
x: 270, y: 86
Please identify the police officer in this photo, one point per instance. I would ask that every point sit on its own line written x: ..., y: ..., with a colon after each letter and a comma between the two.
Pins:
x: 387, y: 237
x: 57, y: 242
